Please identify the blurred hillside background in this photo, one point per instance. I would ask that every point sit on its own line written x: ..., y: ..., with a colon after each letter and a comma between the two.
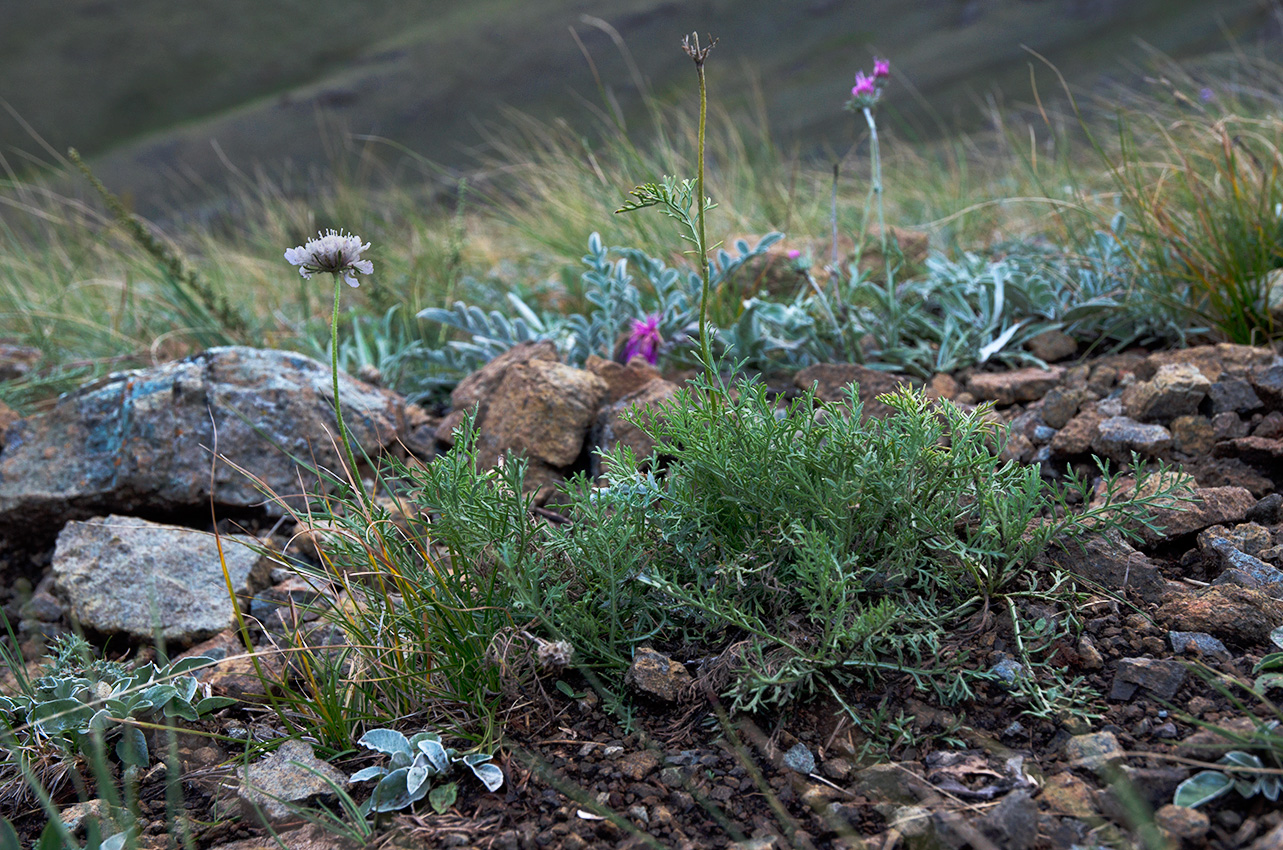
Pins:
x: 171, y: 101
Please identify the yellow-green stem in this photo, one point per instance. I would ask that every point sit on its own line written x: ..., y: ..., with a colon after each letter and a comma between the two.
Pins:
x: 338, y: 407
x: 703, y: 242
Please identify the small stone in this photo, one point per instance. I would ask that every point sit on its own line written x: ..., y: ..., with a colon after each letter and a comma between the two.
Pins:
x: 1089, y: 655
x: 1176, y: 390
x: 637, y: 766
x: 1007, y: 670
x: 1013, y: 823
x: 1007, y: 388
x: 836, y: 768
x: 1060, y: 405
x: 1052, y: 345
x: 657, y: 675
x: 1266, y: 511
x: 1161, y: 679
x: 1233, y: 395
x: 1228, y: 426
x: 890, y: 783
x: 1075, y: 437
x: 1066, y: 794
x: 1193, y: 435
x: 1093, y: 751
x: 1118, y: 436
x: 799, y: 759
x: 1247, y: 538
x: 1183, y: 823
x: 290, y: 775
x: 1198, y: 643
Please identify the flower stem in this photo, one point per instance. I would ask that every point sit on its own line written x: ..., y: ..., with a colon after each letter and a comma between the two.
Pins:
x: 338, y: 407
x: 699, y: 202
x: 876, y: 157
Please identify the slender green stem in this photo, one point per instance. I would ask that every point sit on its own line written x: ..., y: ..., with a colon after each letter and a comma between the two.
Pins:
x: 703, y: 241
x: 338, y: 407
x: 876, y: 156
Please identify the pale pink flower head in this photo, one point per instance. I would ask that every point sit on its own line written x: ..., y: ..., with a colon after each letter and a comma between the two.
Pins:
x: 794, y: 253
x: 644, y: 340
x: 864, y: 86
x: 333, y: 252
x: 881, y: 68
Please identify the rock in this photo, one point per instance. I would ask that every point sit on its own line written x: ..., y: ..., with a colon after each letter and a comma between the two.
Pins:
x: 542, y: 409
x: 126, y: 575
x: 1229, y: 472
x: 1248, y: 537
x: 1093, y: 751
x: 1159, y: 679
x: 1013, y: 823
x: 1259, y: 451
x: 1193, y: 435
x: 1214, y: 361
x: 657, y: 676
x: 1228, y: 426
x: 943, y: 385
x: 1189, y: 826
x: 637, y: 766
x: 891, y: 783
x: 1118, y: 436
x: 774, y: 271
x: 1007, y: 388
x: 1267, y: 381
x: 138, y: 440
x: 474, y: 391
x: 618, y: 430
x: 1060, y: 405
x: 799, y: 759
x: 291, y: 775
x: 1240, y: 616
x: 234, y: 675
x: 1110, y: 561
x: 1076, y: 436
x: 1198, y: 643
x: 1066, y: 794
x: 1233, y: 395
x: 1272, y: 840
x: 1211, y: 506
x: 1176, y: 390
x: 1270, y: 427
x: 832, y: 379
x: 621, y: 380
x: 1052, y: 345
x: 1266, y: 511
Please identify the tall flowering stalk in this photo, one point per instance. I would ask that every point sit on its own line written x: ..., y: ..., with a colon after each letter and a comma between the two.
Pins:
x: 865, y: 95
x: 675, y: 198
x: 339, y: 254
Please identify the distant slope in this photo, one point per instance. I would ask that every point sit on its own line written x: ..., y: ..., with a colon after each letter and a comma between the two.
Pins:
x: 169, y: 93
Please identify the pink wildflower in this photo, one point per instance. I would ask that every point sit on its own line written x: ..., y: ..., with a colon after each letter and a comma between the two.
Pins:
x: 864, y: 86
x: 881, y: 68
x: 644, y: 340
x: 794, y: 253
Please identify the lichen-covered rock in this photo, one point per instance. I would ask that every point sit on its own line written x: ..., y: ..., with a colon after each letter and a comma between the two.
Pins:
x: 129, y: 576
x: 657, y: 676
x: 144, y: 440
x: 275, y: 785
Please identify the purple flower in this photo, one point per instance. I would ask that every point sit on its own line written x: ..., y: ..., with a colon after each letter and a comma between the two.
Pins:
x: 1206, y: 94
x: 793, y: 253
x: 644, y: 340
x: 333, y: 251
x: 864, y: 86
x: 881, y: 68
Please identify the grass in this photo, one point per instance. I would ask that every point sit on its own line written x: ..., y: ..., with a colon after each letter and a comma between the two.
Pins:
x: 807, y: 552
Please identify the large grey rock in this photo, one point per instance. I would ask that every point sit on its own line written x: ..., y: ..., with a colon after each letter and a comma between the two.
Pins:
x: 126, y: 575
x: 142, y: 440
x: 1118, y: 436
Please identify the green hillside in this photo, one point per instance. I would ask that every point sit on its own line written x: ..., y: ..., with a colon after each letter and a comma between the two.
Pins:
x: 166, y: 96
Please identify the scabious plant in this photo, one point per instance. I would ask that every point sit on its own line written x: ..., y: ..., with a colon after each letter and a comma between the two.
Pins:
x: 339, y: 254
x: 414, y: 762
